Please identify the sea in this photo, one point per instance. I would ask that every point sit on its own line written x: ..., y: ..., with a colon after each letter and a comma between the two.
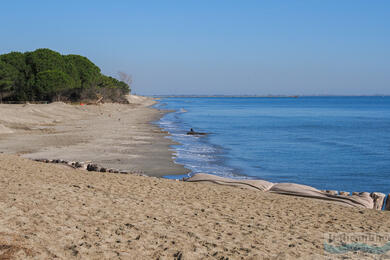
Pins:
x: 332, y: 143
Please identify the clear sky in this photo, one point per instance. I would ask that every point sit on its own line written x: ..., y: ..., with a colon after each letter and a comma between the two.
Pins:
x: 215, y: 47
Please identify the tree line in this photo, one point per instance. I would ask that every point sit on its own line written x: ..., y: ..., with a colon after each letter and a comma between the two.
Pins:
x: 46, y: 75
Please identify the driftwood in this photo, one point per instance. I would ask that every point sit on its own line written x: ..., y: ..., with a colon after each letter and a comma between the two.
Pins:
x: 99, y: 100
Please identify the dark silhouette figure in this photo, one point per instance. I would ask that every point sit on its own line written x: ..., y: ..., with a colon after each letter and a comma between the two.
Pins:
x: 192, y: 132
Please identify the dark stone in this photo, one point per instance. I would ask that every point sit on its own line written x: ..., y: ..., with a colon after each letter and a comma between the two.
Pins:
x: 178, y: 255
x: 92, y: 167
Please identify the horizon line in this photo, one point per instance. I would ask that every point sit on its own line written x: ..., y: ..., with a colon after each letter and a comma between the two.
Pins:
x: 267, y: 96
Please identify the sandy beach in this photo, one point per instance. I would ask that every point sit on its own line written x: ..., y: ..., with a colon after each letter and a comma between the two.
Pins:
x: 111, y: 135
x: 52, y: 211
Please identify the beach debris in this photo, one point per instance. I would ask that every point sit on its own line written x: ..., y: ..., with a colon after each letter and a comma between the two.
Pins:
x: 374, y: 200
x: 178, y: 255
x: 84, y: 165
x: 332, y: 192
x: 359, y: 200
x: 92, y: 167
x: 387, y: 205
x: 75, y: 252
x: 78, y: 165
x: 70, y: 163
x: 192, y: 132
x: 378, y: 199
x: 100, y: 98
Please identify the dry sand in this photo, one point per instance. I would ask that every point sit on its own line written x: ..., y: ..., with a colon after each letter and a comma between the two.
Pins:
x: 50, y: 211
x: 111, y: 135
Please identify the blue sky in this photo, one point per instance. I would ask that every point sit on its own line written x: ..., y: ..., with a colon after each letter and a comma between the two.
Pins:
x: 338, y: 47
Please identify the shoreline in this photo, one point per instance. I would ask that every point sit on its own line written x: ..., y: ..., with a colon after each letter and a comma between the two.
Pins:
x: 313, y: 152
x: 374, y: 199
x: 177, y: 133
x: 123, y: 139
x: 115, y: 136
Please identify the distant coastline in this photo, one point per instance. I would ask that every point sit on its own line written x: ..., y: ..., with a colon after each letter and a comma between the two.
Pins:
x: 260, y: 96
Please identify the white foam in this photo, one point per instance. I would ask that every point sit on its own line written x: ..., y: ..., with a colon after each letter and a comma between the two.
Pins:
x: 193, y: 152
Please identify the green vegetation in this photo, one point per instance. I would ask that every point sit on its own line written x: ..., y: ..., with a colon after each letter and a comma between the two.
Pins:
x: 46, y: 75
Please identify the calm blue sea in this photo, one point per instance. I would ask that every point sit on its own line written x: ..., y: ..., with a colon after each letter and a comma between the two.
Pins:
x: 339, y: 143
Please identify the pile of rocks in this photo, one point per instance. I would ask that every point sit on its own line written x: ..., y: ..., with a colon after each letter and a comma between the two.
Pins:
x: 88, y: 166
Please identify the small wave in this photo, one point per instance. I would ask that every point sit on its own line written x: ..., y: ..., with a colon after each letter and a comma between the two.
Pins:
x: 195, y: 153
